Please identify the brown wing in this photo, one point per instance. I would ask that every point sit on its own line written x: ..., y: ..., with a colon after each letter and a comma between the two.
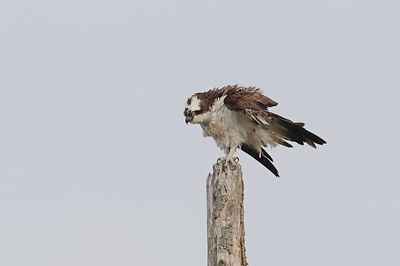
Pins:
x: 254, y: 104
x: 249, y: 101
x: 241, y: 98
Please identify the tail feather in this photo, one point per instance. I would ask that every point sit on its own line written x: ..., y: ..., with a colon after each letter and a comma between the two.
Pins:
x: 295, y: 131
x: 265, y: 159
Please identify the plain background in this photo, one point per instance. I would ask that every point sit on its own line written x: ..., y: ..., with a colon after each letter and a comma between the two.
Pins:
x: 97, y: 166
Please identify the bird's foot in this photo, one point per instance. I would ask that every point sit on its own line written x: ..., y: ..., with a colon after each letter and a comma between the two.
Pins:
x: 231, y: 161
x: 230, y: 158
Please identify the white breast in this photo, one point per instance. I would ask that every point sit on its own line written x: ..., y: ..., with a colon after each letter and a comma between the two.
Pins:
x: 228, y: 128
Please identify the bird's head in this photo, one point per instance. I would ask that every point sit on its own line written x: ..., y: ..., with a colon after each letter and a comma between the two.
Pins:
x: 196, y: 110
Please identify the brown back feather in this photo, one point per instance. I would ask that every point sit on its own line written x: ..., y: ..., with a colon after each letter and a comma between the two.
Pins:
x: 246, y: 98
x: 238, y: 98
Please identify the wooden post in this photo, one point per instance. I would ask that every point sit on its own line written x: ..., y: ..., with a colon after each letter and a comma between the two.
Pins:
x: 225, y: 216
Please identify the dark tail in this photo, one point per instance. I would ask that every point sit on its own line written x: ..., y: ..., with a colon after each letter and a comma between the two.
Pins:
x: 294, y: 131
x: 265, y: 158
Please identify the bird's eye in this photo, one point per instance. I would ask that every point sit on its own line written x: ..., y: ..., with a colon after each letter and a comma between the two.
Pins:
x: 193, y: 113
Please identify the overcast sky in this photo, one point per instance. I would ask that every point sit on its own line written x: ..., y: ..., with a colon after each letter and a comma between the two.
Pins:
x: 97, y: 166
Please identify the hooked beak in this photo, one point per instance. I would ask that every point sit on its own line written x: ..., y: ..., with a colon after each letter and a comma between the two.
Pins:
x: 188, y: 119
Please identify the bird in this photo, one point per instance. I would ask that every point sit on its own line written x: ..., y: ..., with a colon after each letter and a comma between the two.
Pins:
x: 238, y: 117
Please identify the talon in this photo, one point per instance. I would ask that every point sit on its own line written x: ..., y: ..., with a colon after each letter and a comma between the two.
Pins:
x: 232, y: 165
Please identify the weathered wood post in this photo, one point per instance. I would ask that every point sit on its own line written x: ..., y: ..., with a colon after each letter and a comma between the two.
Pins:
x: 225, y: 216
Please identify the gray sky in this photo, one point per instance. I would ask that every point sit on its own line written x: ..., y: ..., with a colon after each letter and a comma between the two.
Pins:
x: 98, y: 167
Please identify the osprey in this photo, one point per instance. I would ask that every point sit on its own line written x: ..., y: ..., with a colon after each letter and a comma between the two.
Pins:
x: 238, y: 117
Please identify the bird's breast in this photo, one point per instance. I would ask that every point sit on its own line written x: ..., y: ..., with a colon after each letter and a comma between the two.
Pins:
x: 226, y: 128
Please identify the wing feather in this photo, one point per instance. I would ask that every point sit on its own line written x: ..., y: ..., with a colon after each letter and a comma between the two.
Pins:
x: 265, y: 159
x: 294, y: 131
x: 251, y: 98
x: 249, y: 101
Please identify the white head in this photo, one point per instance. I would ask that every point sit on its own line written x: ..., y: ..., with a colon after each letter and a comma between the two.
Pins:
x: 197, y: 110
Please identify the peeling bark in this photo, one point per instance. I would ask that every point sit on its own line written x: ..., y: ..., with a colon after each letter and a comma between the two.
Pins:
x: 225, y: 216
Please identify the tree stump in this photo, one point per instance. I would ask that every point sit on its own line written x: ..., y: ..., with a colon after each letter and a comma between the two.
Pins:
x: 225, y: 216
